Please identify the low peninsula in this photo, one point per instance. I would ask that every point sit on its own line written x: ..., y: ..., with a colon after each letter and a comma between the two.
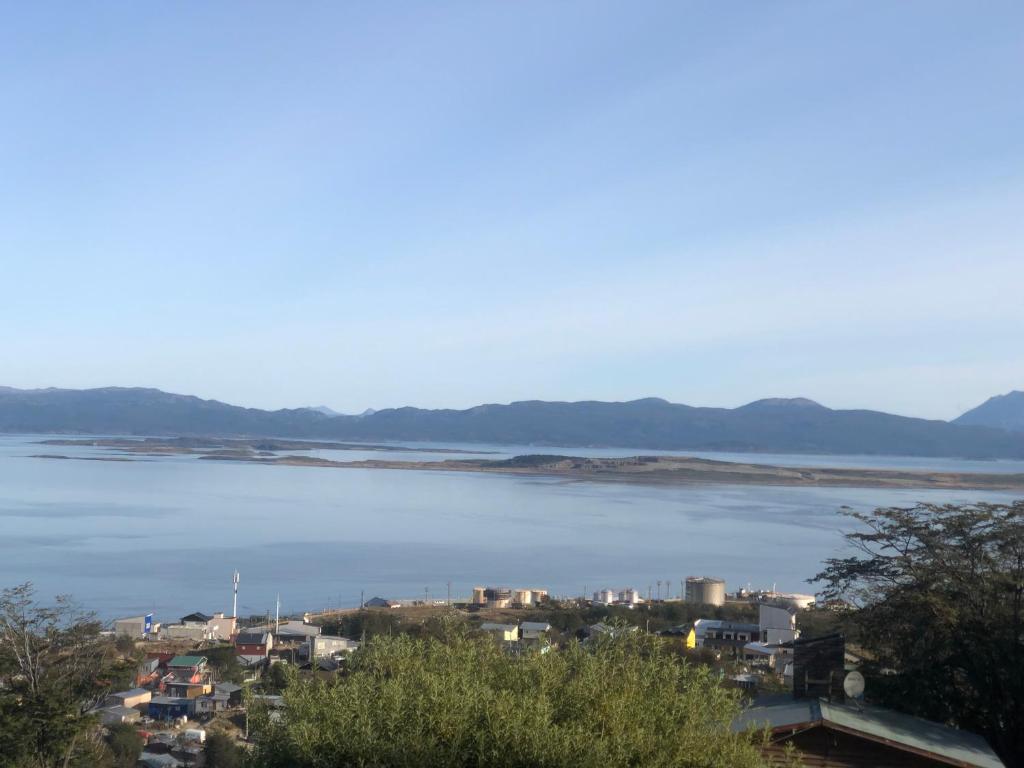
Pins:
x: 654, y: 470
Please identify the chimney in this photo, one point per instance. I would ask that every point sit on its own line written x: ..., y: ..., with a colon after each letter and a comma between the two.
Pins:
x: 819, y: 666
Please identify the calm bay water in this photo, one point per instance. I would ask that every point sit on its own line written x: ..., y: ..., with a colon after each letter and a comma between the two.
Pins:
x: 164, y: 534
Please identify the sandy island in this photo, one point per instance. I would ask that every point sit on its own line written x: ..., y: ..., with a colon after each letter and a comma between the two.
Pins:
x: 657, y: 470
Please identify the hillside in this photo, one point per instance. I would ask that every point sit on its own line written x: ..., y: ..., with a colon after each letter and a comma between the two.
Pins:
x: 776, y: 425
x: 1002, y: 411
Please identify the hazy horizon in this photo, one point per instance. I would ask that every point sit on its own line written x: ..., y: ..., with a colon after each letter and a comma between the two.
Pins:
x: 465, y: 203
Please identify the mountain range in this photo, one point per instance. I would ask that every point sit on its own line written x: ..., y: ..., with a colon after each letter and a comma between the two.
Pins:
x: 795, y: 425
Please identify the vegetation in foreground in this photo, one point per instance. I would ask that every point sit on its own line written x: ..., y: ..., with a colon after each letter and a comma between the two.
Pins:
x: 55, y: 665
x: 462, y: 701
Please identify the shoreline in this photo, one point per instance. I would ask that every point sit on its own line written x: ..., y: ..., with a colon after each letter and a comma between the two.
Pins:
x: 642, y: 470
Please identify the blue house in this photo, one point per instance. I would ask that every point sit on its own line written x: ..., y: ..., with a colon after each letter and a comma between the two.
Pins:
x: 170, y: 707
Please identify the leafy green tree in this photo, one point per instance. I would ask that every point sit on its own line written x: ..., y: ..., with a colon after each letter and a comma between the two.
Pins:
x: 125, y: 745
x: 276, y: 679
x: 938, y: 601
x: 223, y: 660
x: 222, y: 752
x: 462, y: 701
x: 54, y: 667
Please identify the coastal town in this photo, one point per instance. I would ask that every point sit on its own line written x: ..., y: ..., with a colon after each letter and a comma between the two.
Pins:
x: 204, y: 673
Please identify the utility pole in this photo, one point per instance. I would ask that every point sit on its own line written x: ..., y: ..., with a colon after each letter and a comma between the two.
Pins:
x: 659, y: 589
x: 277, y: 615
x: 426, y: 595
x: 449, y: 594
x: 361, y: 601
x: 234, y: 601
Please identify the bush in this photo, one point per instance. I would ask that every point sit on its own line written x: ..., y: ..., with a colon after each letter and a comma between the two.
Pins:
x: 463, y: 702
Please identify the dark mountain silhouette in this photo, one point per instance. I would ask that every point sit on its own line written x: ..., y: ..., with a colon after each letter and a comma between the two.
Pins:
x: 1002, y: 411
x: 780, y: 425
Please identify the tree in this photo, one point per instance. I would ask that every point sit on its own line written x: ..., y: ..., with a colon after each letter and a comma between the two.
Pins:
x: 224, y: 660
x: 276, y: 678
x: 462, y: 701
x: 222, y: 752
x: 125, y: 745
x: 938, y: 601
x: 54, y: 667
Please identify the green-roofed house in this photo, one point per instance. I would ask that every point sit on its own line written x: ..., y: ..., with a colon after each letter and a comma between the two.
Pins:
x: 186, y: 665
x: 187, y: 677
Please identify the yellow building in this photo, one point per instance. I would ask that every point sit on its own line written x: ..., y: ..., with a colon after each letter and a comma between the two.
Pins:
x: 507, y: 633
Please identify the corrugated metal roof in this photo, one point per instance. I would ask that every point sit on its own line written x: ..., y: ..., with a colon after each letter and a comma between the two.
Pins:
x: 886, y: 726
x: 122, y: 711
x: 913, y: 732
x: 132, y: 693
x: 187, y: 661
x: 782, y: 712
x: 252, y: 638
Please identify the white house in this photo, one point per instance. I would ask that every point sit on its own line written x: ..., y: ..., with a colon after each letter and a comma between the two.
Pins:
x: 777, y: 624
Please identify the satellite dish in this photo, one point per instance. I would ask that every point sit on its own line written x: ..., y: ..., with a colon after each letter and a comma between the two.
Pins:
x: 853, y: 685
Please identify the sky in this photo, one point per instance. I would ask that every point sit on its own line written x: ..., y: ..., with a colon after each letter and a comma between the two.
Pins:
x: 442, y: 204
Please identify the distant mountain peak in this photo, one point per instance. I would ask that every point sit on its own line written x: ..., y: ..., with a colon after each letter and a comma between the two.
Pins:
x: 1001, y: 411
x: 785, y: 402
x: 322, y: 409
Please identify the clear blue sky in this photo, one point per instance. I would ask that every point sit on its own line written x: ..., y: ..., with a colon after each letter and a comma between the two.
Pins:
x: 443, y: 204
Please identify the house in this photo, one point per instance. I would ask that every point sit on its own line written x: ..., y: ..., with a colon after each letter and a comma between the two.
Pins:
x: 534, y: 630
x: 254, y: 643
x: 601, y: 631
x: 190, y: 669
x: 730, y: 636
x: 187, y: 677
x: 295, y: 631
x: 200, y: 626
x: 183, y: 689
x: 777, y: 623
x: 380, y: 602
x: 211, y: 703
x: 169, y: 707
x: 117, y: 714
x: 288, y: 631
x: 233, y: 691
x: 253, y: 664
x: 133, y: 698
x: 327, y: 646
x: 833, y: 734
x: 760, y: 654
x: 507, y: 633
x: 135, y: 627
